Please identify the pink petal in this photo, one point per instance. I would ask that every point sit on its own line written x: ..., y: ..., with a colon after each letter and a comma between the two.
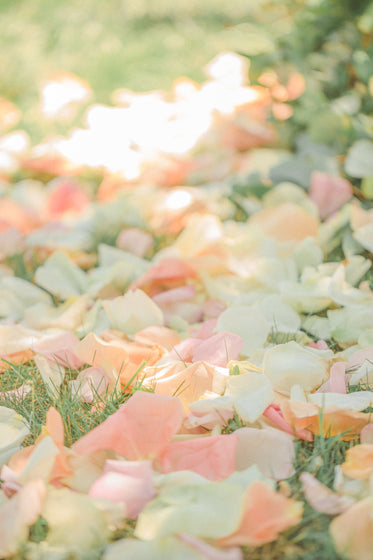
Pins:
x: 130, y: 482
x: 338, y: 378
x: 212, y: 308
x: 213, y: 457
x: 66, y: 196
x: 320, y: 345
x: 207, y: 329
x: 219, y: 349
x: 140, y: 429
x: 273, y: 414
x: 183, y: 293
x: 329, y: 193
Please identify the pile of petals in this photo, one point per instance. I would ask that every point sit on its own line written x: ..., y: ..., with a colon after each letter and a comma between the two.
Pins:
x: 155, y: 285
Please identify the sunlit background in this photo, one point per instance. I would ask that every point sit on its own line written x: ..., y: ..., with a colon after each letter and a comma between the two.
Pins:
x: 139, y: 45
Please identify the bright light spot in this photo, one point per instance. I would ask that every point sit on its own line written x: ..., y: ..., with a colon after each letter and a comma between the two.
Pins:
x: 60, y: 92
x: 15, y: 142
x: 178, y: 199
x: 129, y: 138
x: 229, y: 69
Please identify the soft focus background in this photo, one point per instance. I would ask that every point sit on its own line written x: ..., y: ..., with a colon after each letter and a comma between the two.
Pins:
x: 139, y: 44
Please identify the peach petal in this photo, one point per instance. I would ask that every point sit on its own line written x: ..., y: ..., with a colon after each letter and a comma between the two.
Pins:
x: 359, y: 461
x: 267, y: 513
x: 287, y: 222
x: 212, y: 457
x: 140, y: 429
x: 170, y: 272
x: 352, y: 531
x: 335, y: 421
x: 94, y: 351
x: 188, y: 382
x: 156, y: 334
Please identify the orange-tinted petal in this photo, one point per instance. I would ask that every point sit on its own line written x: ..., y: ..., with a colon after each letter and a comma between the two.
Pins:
x: 359, y: 461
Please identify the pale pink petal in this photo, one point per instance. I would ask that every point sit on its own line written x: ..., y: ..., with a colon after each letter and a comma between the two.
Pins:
x: 90, y: 383
x: 329, y: 193
x: 18, y: 394
x: 358, y: 358
x: 135, y: 241
x: 366, y: 434
x: 130, y: 482
x: 207, y: 329
x: 271, y: 450
x: 60, y: 348
x: 213, y: 457
x: 321, y: 498
x: 140, y: 429
x: 212, y: 308
x: 183, y: 293
x: 219, y: 349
